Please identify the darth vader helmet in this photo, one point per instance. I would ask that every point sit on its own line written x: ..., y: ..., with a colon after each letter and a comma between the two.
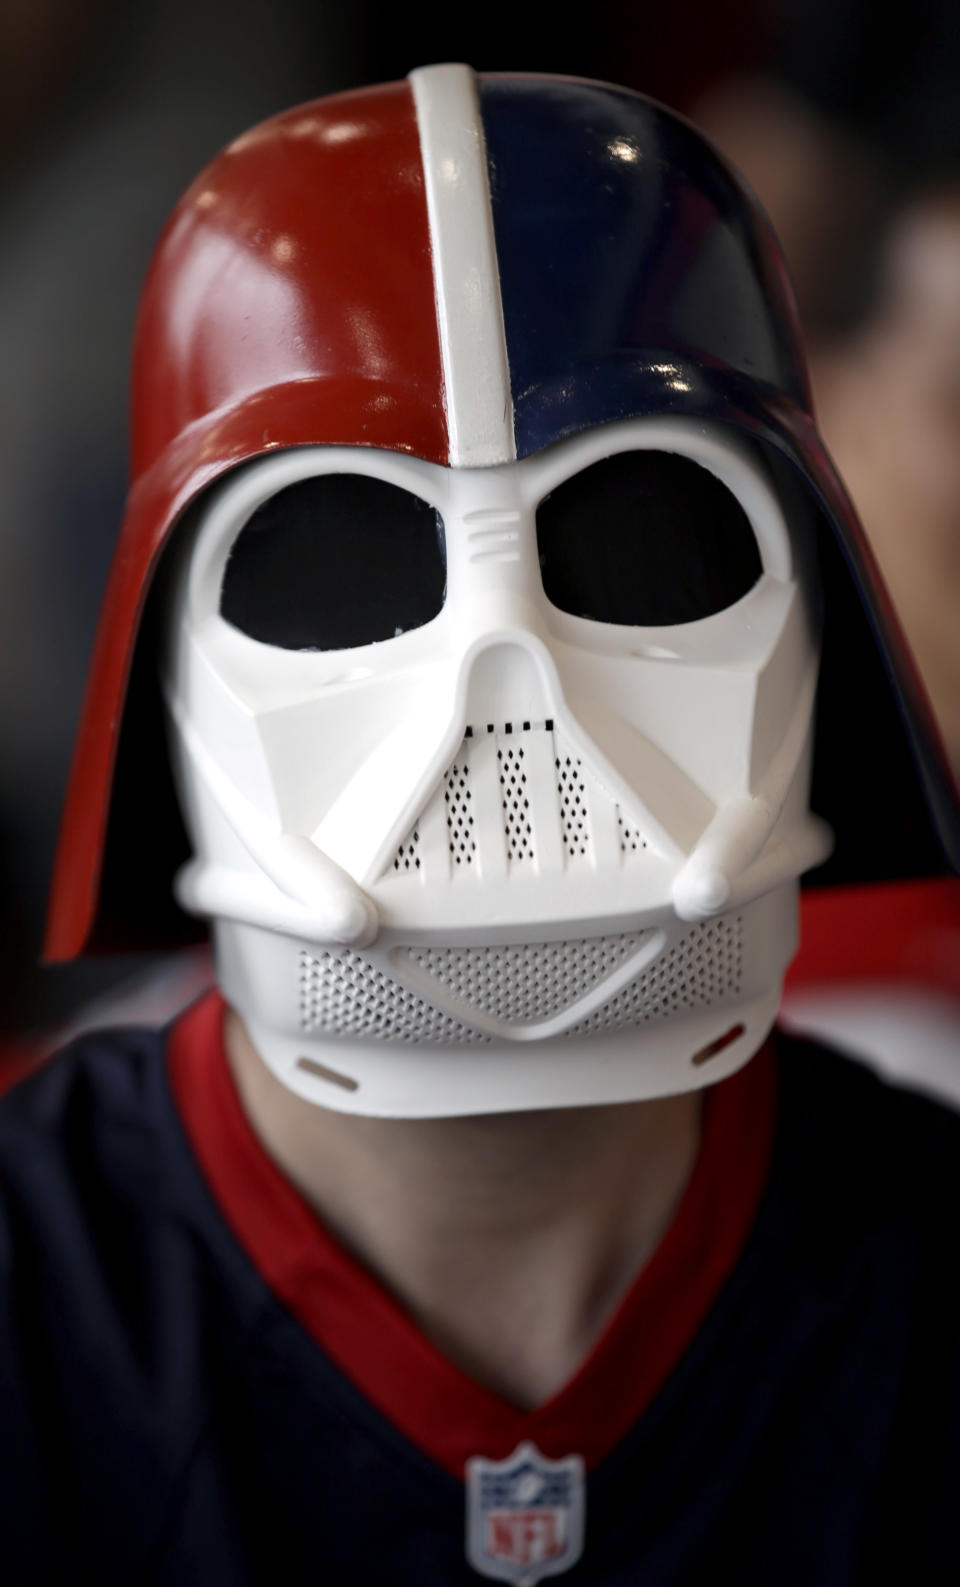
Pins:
x: 475, y: 414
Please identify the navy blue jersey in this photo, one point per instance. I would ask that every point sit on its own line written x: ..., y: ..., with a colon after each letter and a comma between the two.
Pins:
x: 776, y: 1402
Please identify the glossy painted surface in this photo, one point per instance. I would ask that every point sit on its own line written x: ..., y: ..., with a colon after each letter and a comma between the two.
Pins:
x: 628, y: 253
x: 293, y: 284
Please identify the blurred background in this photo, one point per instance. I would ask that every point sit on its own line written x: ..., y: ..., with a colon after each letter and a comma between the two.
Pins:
x: 844, y: 117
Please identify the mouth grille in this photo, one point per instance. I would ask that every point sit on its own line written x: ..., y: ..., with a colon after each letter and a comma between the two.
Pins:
x: 527, y: 983
x: 344, y: 994
x: 704, y: 967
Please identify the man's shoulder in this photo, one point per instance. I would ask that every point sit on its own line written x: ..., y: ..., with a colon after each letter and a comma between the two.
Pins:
x: 89, y: 1150
x: 103, y: 1203
x: 833, y: 1089
x: 95, y: 1091
x: 862, y: 1158
x: 96, y: 1260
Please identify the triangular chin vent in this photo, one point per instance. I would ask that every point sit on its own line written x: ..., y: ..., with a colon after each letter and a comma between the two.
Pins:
x: 527, y: 983
x: 517, y: 798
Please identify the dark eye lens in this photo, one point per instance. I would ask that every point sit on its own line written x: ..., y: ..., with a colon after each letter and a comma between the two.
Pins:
x: 646, y: 538
x: 333, y: 562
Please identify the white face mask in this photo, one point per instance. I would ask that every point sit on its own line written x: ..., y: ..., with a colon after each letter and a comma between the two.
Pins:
x: 513, y: 856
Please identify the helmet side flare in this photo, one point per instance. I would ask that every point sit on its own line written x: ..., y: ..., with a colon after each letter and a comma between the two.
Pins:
x: 265, y: 327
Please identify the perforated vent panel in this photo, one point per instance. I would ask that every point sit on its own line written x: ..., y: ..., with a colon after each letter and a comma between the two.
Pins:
x: 408, y: 854
x: 705, y: 966
x: 516, y: 787
x: 459, y: 807
x: 631, y: 841
x: 516, y: 805
x: 573, y: 804
x: 529, y: 982
x: 346, y: 995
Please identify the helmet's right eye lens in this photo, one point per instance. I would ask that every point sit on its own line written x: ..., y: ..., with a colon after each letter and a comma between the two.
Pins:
x: 333, y: 562
x: 645, y: 538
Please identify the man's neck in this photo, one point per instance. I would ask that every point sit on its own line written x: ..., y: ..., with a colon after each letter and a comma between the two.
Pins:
x: 509, y: 1238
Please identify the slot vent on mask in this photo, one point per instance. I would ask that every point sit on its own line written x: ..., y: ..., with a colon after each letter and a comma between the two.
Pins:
x: 572, y: 795
x: 408, y: 854
x: 630, y: 840
x: 515, y: 802
x: 528, y: 982
x: 459, y: 807
x: 516, y: 790
x: 704, y: 967
x: 343, y: 994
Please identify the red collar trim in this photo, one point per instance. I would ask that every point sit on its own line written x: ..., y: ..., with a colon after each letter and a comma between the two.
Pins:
x: 377, y: 1346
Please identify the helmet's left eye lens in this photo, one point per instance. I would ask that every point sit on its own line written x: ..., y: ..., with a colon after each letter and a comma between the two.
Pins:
x: 646, y: 538
x: 333, y: 562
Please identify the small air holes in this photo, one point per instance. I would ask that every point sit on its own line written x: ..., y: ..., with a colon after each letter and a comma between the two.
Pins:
x: 572, y: 796
x: 702, y: 968
x: 459, y: 810
x: 525, y: 982
x: 631, y: 841
x: 341, y: 993
x: 408, y: 854
x: 514, y: 802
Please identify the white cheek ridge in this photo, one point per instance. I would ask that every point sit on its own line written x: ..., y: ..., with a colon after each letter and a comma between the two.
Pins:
x: 395, y: 780
x: 200, y: 693
x: 316, y: 750
x: 339, y: 910
x: 779, y: 682
x: 662, y: 755
x: 672, y: 738
x: 672, y: 809
x: 723, y: 870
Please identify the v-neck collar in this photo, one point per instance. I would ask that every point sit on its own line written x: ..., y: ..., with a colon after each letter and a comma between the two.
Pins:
x: 372, y: 1340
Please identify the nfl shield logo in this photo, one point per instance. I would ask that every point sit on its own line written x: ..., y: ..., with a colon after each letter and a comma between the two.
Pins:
x: 524, y: 1515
